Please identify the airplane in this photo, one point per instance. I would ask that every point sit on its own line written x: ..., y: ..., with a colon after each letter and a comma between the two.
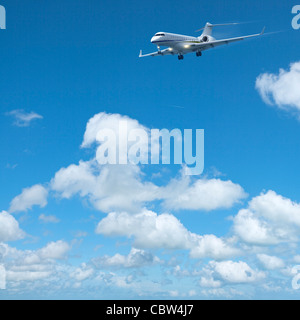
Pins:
x: 180, y: 44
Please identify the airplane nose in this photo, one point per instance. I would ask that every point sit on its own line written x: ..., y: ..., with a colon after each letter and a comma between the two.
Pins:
x: 154, y: 39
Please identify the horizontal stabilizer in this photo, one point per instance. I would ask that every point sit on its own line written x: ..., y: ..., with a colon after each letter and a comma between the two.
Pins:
x: 157, y: 53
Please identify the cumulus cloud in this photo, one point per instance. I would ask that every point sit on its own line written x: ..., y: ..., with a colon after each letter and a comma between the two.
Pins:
x: 35, y: 195
x: 150, y: 230
x: 23, y: 118
x: 111, y: 187
x: 276, y: 208
x: 135, y: 259
x: 108, y: 187
x: 252, y: 229
x: 202, y: 194
x: 281, y: 89
x: 125, y: 194
x: 82, y: 273
x: 54, y: 250
x: 270, y: 262
x: 75, y: 179
x: 217, y: 274
x: 212, y: 247
x: 103, y: 121
x: 123, y: 187
x: 236, y: 272
x: 9, y: 228
x: 269, y: 219
x: 32, y: 265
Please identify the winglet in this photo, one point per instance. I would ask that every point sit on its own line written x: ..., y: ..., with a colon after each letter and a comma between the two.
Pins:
x: 263, y: 31
x: 141, y: 54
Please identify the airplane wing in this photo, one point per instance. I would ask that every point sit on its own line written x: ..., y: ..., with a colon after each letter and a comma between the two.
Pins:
x: 216, y: 43
x: 157, y: 53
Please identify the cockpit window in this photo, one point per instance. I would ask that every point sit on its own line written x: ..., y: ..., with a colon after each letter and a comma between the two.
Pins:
x: 160, y: 35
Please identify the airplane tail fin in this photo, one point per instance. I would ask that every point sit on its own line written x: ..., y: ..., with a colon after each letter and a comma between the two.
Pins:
x: 207, y: 30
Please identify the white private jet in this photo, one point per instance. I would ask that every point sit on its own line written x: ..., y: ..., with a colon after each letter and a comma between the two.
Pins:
x: 179, y: 44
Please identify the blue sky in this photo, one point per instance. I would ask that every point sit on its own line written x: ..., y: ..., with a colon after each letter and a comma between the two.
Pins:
x: 71, y: 229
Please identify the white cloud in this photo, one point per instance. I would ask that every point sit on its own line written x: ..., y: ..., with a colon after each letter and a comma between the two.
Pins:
x: 9, y: 228
x: 202, y: 194
x: 150, y: 230
x: 18, y: 276
x: 236, y: 272
x: 22, y: 118
x: 82, y: 273
x: 281, y: 89
x: 270, y: 262
x: 135, y: 259
x: 212, y: 247
x: 209, y: 282
x: 32, y: 265
x: 102, y: 121
x: 269, y: 219
x: 253, y: 230
x: 123, y: 187
x: 109, y: 188
x: 179, y: 272
x: 35, y: 195
x: 54, y: 250
x: 276, y: 208
x: 48, y: 219
x: 75, y: 179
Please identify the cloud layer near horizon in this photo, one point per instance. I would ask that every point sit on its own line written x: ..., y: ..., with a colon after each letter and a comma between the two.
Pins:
x: 143, y: 213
